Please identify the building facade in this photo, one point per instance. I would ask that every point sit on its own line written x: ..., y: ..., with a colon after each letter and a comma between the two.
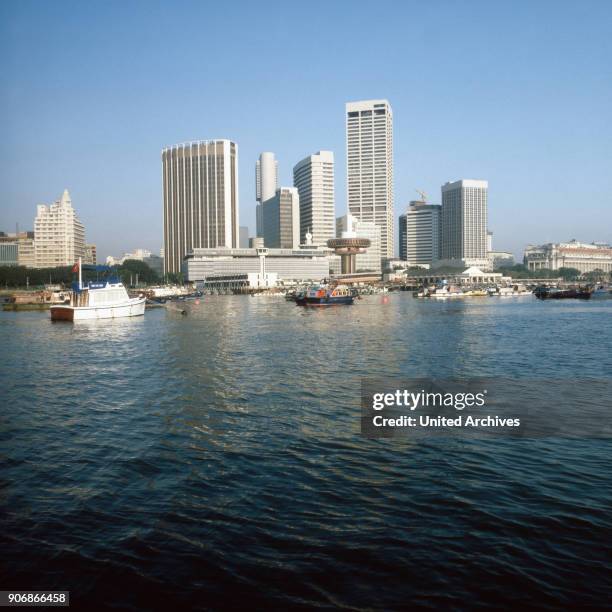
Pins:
x: 266, y: 184
x: 371, y: 260
x: 243, y: 239
x: 25, y: 247
x: 313, y: 177
x: 200, y: 183
x: 578, y: 255
x: 369, y: 154
x: 9, y: 253
x: 300, y: 265
x: 91, y: 254
x: 59, y: 236
x: 281, y: 219
x: 464, y: 223
x: 500, y: 259
x: 419, y: 233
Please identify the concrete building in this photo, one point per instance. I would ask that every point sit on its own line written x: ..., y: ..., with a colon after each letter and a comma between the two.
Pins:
x: 281, y: 219
x: 9, y: 253
x: 290, y: 265
x: 266, y: 184
x: 371, y: 260
x: 573, y: 254
x: 200, y: 182
x: 25, y: 247
x: 59, y: 236
x: 500, y: 259
x: 369, y: 155
x: 243, y: 240
x: 314, y: 179
x: 91, y: 254
x: 419, y: 233
x: 464, y: 224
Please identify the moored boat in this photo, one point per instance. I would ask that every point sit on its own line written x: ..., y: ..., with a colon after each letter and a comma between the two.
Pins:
x: 551, y: 293
x: 322, y: 295
x: 107, y: 299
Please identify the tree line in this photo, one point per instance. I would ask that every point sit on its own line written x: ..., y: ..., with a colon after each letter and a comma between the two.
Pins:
x: 130, y: 272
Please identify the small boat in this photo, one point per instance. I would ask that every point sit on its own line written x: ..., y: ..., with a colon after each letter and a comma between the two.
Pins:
x: 322, y: 295
x: 106, y: 299
x: 548, y: 293
x: 602, y: 293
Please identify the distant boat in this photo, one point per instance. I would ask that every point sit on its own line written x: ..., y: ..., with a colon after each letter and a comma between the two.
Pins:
x: 106, y: 299
x: 548, y: 293
x: 601, y: 293
x: 322, y: 295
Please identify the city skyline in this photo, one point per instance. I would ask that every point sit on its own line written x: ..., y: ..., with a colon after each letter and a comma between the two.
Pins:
x: 534, y: 134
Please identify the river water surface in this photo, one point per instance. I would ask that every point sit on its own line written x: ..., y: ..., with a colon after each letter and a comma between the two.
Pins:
x: 214, y: 460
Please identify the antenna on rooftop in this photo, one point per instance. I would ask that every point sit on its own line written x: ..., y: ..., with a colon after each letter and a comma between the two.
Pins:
x: 422, y: 194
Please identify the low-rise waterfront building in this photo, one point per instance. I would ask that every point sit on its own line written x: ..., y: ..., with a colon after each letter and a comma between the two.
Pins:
x: 573, y: 254
x: 302, y: 265
x: 499, y: 259
x: 25, y: 247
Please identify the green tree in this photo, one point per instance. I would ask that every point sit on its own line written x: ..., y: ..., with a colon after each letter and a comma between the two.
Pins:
x: 132, y: 269
x: 568, y: 273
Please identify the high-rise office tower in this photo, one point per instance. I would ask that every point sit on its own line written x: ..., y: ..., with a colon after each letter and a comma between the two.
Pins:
x: 266, y: 184
x: 314, y: 179
x: 59, y: 236
x: 200, y: 182
x: 281, y: 219
x: 419, y: 233
x: 464, y: 221
x: 369, y: 155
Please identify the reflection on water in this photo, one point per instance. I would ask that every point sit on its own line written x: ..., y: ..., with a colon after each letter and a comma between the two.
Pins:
x: 217, y: 456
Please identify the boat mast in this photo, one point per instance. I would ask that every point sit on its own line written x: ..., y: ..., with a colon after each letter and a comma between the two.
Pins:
x: 80, y: 276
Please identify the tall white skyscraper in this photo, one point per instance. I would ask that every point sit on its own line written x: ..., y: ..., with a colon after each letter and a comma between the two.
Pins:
x: 314, y: 179
x: 200, y: 181
x: 266, y: 184
x: 369, y: 155
x: 464, y: 221
x: 420, y: 230
x: 59, y: 236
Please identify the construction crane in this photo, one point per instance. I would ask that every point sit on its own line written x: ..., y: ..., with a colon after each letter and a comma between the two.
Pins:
x: 422, y: 194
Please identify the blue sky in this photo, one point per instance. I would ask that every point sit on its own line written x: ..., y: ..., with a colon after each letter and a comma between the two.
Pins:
x: 519, y: 93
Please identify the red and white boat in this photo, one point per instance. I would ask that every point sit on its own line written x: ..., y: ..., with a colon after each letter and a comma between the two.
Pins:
x: 106, y: 299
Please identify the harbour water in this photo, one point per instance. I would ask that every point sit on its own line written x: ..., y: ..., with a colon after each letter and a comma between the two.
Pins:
x: 214, y: 460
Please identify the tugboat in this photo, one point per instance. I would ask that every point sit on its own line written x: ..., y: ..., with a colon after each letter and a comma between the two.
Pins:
x: 322, y: 295
x: 106, y: 299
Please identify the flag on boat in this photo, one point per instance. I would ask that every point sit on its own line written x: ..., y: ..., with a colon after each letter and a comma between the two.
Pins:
x: 75, y: 268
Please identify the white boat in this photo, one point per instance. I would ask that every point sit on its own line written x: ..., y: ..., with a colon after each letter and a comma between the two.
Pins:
x: 98, y: 300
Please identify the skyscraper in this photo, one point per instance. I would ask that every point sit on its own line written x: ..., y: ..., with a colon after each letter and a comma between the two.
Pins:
x: 464, y: 222
x: 266, y: 184
x: 200, y: 198
x: 59, y: 236
x: 420, y: 230
x: 281, y: 219
x: 369, y: 154
x: 314, y: 179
